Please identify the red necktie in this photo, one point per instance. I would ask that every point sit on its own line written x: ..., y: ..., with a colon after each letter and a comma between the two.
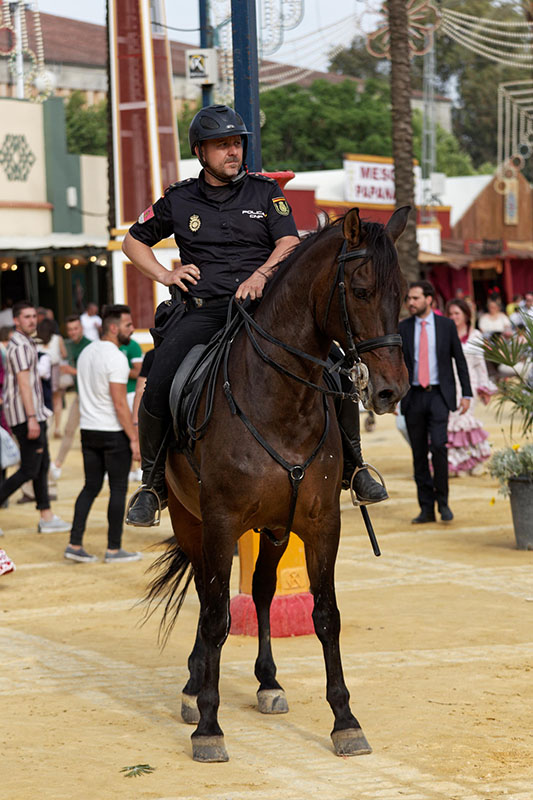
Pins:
x: 423, y: 357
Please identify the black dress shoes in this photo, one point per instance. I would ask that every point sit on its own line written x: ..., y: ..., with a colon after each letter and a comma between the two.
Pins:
x: 424, y: 516
x: 446, y: 514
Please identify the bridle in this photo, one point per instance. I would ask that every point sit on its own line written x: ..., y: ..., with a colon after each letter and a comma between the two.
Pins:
x: 353, y: 350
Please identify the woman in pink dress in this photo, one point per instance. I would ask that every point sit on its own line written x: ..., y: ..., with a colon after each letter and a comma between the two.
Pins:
x: 468, y: 447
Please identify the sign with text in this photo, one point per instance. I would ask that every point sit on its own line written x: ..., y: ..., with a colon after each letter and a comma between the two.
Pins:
x: 369, y: 180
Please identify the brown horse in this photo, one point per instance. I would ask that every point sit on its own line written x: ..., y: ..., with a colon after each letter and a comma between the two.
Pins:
x: 342, y: 283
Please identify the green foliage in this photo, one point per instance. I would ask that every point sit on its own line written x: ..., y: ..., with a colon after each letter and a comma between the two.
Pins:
x: 322, y: 122
x: 512, y: 462
x: 450, y: 158
x: 86, y: 126
x: 472, y: 78
x: 184, y: 121
x: 312, y: 128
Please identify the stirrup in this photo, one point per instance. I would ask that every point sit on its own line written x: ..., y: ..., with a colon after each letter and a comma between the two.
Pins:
x: 355, y: 500
x: 144, y: 488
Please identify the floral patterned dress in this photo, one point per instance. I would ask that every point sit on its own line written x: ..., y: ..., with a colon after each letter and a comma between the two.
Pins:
x: 467, y: 439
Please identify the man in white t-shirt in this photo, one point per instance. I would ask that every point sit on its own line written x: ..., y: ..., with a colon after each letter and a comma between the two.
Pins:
x: 91, y: 322
x: 108, y: 435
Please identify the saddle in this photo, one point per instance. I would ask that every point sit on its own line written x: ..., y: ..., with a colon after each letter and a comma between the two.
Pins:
x: 198, y: 372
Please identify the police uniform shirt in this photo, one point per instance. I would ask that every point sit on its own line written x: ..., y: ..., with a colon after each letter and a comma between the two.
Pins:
x: 227, y: 231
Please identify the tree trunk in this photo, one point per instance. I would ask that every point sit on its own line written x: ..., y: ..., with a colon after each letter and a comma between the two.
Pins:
x: 402, y: 133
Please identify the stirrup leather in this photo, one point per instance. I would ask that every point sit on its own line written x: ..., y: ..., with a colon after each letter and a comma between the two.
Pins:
x: 144, y: 488
x: 355, y: 500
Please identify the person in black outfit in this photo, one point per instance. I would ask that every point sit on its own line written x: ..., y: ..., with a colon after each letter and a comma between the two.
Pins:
x: 432, y: 396
x: 232, y: 228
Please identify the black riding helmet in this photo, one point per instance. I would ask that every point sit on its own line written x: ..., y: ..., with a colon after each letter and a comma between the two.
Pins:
x: 217, y: 122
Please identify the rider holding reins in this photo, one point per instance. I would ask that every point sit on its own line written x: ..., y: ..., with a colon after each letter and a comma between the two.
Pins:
x: 232, y: 228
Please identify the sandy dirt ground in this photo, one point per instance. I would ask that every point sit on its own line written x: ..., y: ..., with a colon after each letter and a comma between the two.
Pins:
x: 437, y: 642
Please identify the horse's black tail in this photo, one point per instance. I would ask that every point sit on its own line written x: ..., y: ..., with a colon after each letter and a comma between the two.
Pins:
x: 173, y: 568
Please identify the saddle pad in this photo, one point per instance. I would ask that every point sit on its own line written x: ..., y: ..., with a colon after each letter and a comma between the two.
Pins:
x: 188, y: 373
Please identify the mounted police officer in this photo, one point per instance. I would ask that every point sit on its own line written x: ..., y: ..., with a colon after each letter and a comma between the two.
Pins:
x: 232, y: 228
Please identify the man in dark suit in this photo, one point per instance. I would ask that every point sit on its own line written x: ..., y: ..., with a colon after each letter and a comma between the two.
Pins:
x: 430, y: 342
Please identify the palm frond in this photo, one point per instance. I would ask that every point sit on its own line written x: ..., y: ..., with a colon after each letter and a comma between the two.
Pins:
x: 137, y: 769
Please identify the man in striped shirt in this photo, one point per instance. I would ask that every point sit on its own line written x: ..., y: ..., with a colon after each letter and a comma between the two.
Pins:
x: 26, y: 414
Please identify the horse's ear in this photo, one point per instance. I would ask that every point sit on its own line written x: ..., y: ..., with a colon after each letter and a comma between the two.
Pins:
x: 352, y: 226
x: 396, y: 224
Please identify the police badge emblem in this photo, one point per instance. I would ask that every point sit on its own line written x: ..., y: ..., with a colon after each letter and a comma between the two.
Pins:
x: 194, y: 223
x: 281, y: 206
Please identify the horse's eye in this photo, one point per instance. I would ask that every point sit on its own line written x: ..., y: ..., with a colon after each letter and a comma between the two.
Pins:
x: 361, y: 294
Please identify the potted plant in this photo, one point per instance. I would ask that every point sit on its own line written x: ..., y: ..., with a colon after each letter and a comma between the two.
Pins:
x: 513, y: 465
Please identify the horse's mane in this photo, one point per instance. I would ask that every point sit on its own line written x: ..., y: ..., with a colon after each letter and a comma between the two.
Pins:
x: 380, y: 247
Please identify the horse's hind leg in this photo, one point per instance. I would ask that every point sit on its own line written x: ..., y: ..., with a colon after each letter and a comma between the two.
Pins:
x: 271, y: 698
x: 217, y: 550
x: 196, y: 664
x: 347, y: 735
x: 188, y: 532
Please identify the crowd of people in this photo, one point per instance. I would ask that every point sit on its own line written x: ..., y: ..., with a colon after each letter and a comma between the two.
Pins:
x: 102, y: 368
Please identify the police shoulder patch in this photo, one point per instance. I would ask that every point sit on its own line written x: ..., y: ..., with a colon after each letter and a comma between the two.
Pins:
x: 147, y: 214
x: 281, y: 206
x: 177, y: 184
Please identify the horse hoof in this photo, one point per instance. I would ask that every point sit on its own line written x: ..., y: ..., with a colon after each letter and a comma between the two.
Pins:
x: 189, y: 709
x: 272, y: 701
x: 350, y: 742
x: 209, y: 748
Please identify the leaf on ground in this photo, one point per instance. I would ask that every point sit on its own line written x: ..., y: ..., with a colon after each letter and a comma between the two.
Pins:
x: 137, y: 769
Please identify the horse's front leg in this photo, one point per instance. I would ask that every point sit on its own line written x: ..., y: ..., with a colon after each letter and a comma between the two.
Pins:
x: 321, y: 553
x: 271, y: 698
x: 217, y: 553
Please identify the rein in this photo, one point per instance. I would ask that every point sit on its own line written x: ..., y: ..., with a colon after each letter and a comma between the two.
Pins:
x: 350, y: 364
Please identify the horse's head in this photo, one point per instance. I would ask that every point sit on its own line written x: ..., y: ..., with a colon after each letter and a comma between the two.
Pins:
x: 367, y: 307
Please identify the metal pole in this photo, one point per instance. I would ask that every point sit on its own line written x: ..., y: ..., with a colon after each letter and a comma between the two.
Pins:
x: 19, y: 58
x: 246, y: 74
x: 206, y: 40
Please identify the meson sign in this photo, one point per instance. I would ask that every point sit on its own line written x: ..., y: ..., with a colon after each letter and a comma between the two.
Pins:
x: 369, y: 180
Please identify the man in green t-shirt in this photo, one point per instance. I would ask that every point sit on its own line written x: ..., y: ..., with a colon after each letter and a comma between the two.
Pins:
x: 75, y: 343
x: 134, y: 354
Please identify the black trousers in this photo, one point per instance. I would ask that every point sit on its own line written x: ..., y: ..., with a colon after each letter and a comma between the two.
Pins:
x: 103, y: 451
x: 426, y: 419
x: 34, y: 465
x: 197, y: 326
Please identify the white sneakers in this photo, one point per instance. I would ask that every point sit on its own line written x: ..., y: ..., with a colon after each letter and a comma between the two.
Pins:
x: 54, y: 525
x: 55, y: 472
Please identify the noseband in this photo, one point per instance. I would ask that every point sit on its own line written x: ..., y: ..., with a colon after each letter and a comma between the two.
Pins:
x: 353, y: 350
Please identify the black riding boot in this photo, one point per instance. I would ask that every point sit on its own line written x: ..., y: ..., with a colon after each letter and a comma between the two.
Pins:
x: 366, y: 488
x: 145, y: 505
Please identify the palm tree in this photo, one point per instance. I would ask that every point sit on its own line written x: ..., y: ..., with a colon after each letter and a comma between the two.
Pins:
x: 402, y: 132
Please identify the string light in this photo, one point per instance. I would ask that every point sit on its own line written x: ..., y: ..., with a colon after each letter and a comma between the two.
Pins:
x: 491, y: 38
